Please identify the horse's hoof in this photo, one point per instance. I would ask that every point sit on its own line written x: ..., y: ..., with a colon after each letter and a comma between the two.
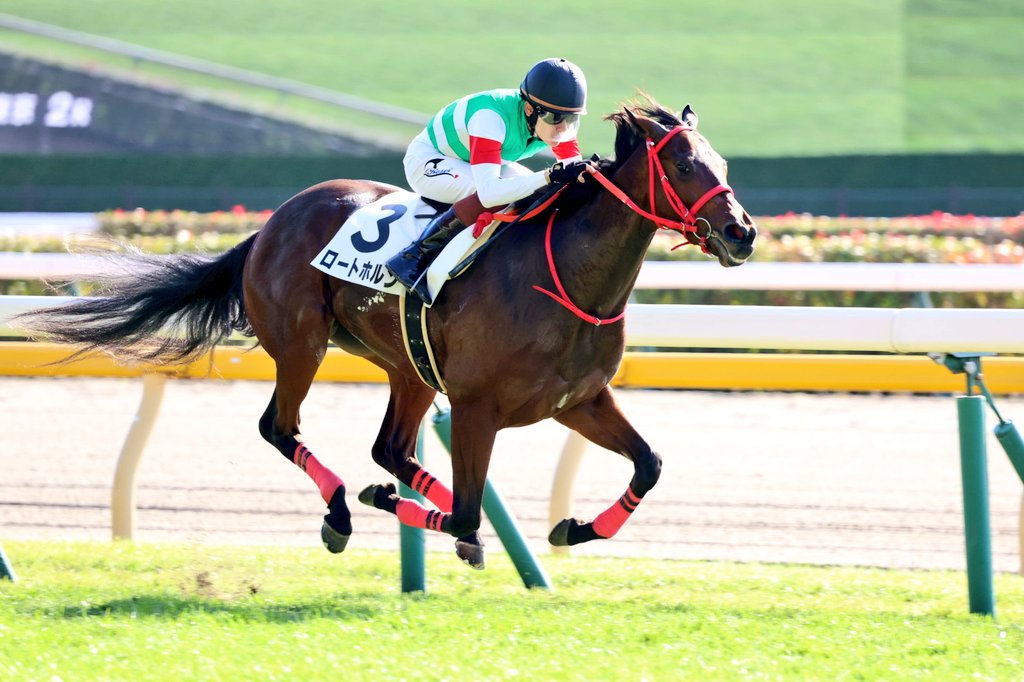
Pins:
x: 375, y: 495
x: 559, y: 535
x: 334, y: 541
x: 471, y: 553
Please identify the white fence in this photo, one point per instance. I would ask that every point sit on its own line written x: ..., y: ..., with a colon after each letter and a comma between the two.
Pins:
x: 897, y: 330
x: 831, y: 276
x: 674, y: 274
x: 45, y: 224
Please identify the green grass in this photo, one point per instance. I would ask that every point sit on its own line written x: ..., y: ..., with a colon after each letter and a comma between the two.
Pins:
x: 83, y: 611
x: 787, y: 77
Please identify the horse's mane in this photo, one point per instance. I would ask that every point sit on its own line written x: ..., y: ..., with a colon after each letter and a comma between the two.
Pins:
x: 628, y: 136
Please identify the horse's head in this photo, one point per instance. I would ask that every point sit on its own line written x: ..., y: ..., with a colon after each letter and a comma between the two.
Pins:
x: 685, y: 179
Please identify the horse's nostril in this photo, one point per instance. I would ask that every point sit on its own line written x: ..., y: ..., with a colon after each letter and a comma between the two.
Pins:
x: 735, y: 233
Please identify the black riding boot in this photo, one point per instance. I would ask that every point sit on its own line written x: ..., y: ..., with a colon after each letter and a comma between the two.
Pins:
x: 410, y: 265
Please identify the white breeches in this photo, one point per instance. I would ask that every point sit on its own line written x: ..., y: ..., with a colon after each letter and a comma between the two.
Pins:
x: 443, y: 178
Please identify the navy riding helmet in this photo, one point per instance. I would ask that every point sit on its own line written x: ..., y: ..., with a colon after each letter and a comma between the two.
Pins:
x: 556, y: 86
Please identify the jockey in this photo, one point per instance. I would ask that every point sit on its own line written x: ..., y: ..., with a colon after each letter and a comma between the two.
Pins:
x: 466, y: 156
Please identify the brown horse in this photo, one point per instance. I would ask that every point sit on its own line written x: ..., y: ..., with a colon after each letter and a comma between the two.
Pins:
x: 508, y: 355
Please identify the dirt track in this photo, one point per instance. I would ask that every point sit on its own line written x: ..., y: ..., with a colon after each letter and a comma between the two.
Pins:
x: 824, y: 479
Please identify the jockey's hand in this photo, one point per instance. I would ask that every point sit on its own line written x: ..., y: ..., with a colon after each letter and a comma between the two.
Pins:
x: 560, y: 174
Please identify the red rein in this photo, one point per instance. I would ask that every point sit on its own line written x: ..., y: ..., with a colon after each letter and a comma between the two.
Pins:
x: 687, y: 224
x: 563, y: 297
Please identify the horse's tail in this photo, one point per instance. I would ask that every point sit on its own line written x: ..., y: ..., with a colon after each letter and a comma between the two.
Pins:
x: 163, y: 310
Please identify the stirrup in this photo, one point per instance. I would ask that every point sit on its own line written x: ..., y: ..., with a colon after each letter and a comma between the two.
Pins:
x: 405, y: 268
x: 420, y: 289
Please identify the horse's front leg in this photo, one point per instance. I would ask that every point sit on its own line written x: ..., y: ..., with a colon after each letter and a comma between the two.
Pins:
x: 473, y: 432
x: 601, y: 422
x: 395, y: 451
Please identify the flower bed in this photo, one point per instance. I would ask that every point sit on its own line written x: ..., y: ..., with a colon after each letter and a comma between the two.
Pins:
x: 933, y: 238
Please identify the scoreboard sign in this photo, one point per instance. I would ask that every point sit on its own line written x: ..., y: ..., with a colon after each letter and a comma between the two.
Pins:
x: 62, y: 109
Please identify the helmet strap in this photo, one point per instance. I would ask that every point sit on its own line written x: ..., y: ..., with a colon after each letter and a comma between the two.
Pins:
x: 531, y: 119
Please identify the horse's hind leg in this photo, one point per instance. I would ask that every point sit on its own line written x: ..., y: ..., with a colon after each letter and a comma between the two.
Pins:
x: 395, y: 451
x: 601, y: 422
x: 279, y: 426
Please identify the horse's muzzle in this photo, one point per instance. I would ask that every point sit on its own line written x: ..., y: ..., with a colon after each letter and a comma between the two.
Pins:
x: 735, y: 243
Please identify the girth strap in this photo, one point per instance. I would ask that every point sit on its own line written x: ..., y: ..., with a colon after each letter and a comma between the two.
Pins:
x: 413, y: 314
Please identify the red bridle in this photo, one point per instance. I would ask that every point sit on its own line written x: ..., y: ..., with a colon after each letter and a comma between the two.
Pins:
x: 687, y: 224
x: 656, y: 170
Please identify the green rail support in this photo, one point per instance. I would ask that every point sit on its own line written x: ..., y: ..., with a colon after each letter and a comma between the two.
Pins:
x: 412, y: 540
x: 974, y: 476
x: 971, y: 413
x: 1013, y: 445
x: 6, y: 570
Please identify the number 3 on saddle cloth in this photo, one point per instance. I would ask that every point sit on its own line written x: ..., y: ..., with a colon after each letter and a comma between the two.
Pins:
x: 378, y: 231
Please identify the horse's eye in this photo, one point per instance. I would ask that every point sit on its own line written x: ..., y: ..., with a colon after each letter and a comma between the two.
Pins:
x: 684, y: 168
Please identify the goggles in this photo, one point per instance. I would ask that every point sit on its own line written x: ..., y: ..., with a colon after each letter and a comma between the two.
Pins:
x: 555, y: 118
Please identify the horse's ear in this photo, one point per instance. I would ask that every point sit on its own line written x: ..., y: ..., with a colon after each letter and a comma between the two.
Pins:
x: 689, y: 117
x: 651, y: 128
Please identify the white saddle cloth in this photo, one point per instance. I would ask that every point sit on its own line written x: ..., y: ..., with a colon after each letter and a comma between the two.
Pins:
x: 378, y: 231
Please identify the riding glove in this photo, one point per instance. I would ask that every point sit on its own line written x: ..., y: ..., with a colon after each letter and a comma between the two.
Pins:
x: 561, y: 174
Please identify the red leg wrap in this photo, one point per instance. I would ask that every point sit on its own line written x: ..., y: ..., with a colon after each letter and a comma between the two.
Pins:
x: 325, y: 479
x: 433, y: 490
x: 412, y: 513
x: 608, y: 522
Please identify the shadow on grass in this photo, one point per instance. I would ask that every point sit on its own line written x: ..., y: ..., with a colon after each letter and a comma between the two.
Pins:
x: 171, y: 607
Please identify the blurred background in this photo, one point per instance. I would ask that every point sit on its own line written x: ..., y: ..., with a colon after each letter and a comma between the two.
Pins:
x: 857, y: 107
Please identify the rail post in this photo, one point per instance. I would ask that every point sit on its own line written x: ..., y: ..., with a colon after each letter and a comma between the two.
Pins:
x: 122, y: 496
x: 569, y: 461
x: 412, y: 541
x: 1005, y: 432
x: 974, y: 477
x: 504, y: 523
